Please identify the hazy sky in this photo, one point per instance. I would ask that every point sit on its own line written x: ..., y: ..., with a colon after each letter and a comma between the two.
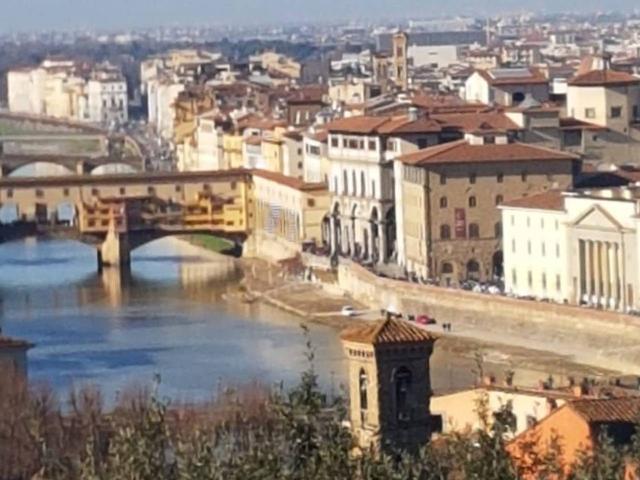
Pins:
x: 16, y: 15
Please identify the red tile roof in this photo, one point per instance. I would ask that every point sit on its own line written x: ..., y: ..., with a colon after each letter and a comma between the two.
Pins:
x: 477, y: 121
x: 598, y: 78
x: 462, y: 152
x: 384, y: 125
x: 385, y: 332
x: 551, y: 200
x: 609, y: 410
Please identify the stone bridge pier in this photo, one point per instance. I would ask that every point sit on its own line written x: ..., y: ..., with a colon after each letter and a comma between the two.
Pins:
x: 115, y: 250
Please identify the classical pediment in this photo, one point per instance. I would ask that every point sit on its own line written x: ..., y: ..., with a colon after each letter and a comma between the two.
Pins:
x: 598, y: 218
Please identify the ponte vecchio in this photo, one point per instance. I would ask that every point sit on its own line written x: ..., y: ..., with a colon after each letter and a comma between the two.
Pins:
x: 120, y: 212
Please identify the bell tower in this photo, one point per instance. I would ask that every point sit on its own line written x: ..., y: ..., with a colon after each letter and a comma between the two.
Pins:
x: 400, y: 60
x: 389, y: 384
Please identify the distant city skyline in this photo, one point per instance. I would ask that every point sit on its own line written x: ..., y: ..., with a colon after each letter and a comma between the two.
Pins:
x: 29, y: 15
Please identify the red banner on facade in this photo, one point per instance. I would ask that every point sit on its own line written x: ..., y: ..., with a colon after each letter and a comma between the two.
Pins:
x: 460, y: 223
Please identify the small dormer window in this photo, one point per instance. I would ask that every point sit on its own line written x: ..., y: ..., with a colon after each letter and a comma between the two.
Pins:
x: 489, y: 139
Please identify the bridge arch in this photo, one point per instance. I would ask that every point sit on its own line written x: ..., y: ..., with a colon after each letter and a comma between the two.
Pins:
x: 113, y: 168
x: 36, y: 168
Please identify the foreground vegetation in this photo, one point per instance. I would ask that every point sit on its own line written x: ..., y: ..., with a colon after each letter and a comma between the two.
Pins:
x: 246, y: 433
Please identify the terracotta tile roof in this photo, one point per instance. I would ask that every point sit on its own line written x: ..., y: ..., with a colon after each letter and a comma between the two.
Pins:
x: 608, y: 410
x: 476, y: 121
x: 319, y: 135
x: 361, y: 124
x: 570, y: 123
x: 551, y: 200
x: 461, y: 151
x: 384, y: 125
x: 6, y: 342
x: 385, y: 332
x: 292, y: 182
x: 603, y: 77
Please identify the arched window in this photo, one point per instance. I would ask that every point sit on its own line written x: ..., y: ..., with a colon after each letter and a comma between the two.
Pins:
x: 354, y: 184
x: 445, y: 232
x: 472, y: 202
x: 524, y: 175
x: 447, y: 268
x: 498, y: 230
x: 402, y: 381
x: 363, y: 384
x: 362, y: 184
x: 499, y: 199
x: 474, y: 230
x: 443, y: 202
x: 335, y: 185
x: 345, y: 183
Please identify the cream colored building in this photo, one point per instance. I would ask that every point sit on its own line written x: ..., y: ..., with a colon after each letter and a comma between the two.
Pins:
x: 315, y: 162
x: 68, y: 90
x: 459, y: 411
x: 288, y: 213
x: 579, y: 247
x: 506, y: 86
x: 605, y: 97
x: 277, y: 63
x: 203, y: 149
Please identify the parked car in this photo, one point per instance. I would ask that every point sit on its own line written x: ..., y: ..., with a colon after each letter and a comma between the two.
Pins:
x: 425, y: 320
x: 348, y: 311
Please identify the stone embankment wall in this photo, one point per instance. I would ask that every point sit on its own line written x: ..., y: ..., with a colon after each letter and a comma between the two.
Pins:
x: 598, y: 338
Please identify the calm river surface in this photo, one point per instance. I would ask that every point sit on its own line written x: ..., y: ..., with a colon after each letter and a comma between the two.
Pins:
x: 168, y: 317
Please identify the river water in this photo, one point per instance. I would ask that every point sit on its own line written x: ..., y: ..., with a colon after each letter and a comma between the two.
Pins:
x: 169, y: 317
x: 166, y: 318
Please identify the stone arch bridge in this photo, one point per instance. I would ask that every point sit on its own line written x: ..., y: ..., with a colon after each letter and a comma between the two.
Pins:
x: 118, y: 213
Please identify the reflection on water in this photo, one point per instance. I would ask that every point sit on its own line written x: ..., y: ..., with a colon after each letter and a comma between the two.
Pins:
x: 166, y: 316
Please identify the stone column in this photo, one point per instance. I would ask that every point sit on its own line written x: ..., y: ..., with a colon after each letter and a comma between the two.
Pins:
x: 333, y: 235
x: 616, y: 277
x: 621, y: 276
x: 588, y: 268
x: 613, y: 296
x: 383, y: 243
x: 597, y: 270
x: 606, y: 275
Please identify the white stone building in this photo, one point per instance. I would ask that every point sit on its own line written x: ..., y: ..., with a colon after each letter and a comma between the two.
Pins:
x: 577, y: 247
x: 361, y: 151
x: 107, y: 97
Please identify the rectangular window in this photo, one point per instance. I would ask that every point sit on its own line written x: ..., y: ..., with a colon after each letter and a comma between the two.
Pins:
x: 178, y: 188
x: 530, y: 279
x: 557, y: 250
x: 95, y: 192
x: 513, y: 220
x: 472, y: 178
x: 529, y: 247
x: 558, y: 283
x: 514, y: 277
x: 391, y: 145
x: 151, y: 190
x: 544, y: 281
x: 122, y: 191
x: 513, y: 245
x: 65, y: 192
x: 500, y: 177
x: 10, y: 193
x: 590, y: 113
x: 616, y: 112
x: 311, y: 202
x: 443, y: 179
x: 543, y: 249
x: 39, y: 193
x: 372, y: 145
x: 334, y: 142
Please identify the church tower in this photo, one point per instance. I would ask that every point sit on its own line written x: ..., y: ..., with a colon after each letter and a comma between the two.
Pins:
x: 389, y: 384
x: 400, y: 60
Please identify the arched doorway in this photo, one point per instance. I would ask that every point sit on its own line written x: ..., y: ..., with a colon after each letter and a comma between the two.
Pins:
x: 473, y: 270
x: 498, y: 265
x: 357, y: 248
x: 446, y: 273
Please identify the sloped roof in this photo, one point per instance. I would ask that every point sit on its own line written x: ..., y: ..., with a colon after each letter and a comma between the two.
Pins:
x: 461, y: 151
x: 597, y: 78
x: 608, y: 410
x: 291, y: 182
x: 473, y: 122
x: 386, y: 332
x: 515, y: 76
x: 384, y: 125
x: 550, y: 200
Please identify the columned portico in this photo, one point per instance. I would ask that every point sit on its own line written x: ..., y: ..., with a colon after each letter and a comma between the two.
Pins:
x: 601, y: 270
